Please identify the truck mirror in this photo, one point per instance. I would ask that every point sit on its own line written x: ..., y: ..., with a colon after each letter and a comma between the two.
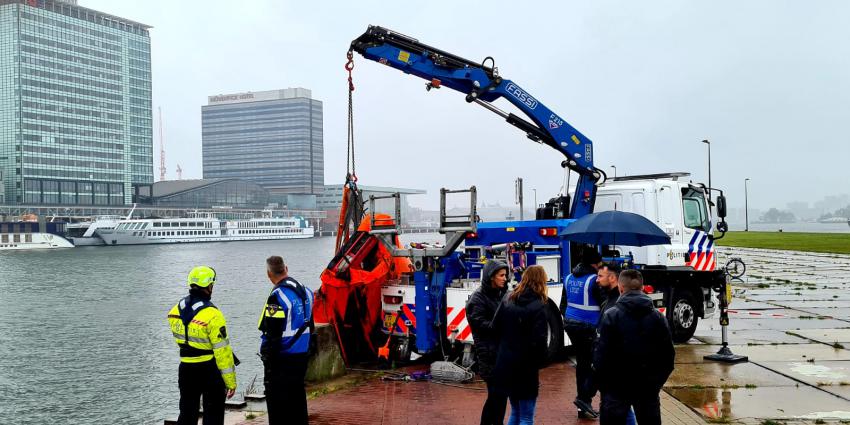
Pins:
x: 722, y: 227
x: 721, y: 206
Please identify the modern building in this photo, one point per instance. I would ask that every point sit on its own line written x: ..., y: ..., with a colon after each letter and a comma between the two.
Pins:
x: 273, y: 138
x: 206, y: 193
x: 75, y: 104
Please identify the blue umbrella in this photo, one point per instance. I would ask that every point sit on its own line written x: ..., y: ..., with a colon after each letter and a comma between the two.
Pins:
x: 615, y: 228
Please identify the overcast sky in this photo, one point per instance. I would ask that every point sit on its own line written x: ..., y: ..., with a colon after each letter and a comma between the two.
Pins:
x: 768, y: 82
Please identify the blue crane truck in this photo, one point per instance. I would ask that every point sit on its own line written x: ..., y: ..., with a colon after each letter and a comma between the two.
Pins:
x: 426, y: 314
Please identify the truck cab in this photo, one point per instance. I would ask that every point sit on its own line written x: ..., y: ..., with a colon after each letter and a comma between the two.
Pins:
x: 677, y: 206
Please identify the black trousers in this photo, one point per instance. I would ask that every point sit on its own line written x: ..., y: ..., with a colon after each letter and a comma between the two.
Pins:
x: 195, y: 380
x: 286, y: 399
x: 583, y: 337
x: 493, y: 412
x: 615, y: 407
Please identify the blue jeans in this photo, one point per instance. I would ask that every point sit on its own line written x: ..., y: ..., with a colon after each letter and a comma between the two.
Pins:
x: 630, y: 417
x: 522, y: 411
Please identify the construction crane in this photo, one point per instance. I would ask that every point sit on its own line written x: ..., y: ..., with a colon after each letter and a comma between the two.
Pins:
x: 161, y: 149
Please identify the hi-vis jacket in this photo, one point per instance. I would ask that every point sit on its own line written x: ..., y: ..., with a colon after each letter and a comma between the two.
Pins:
x: 205, y: 338
x: 286, y: 319
x: 582, y: 304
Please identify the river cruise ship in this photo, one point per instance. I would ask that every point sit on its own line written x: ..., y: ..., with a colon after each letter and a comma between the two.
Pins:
x: 32, y: 235
x: 205, y: 229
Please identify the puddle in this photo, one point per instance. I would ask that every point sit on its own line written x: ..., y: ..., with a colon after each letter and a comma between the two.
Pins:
x: 763, y: 402
x: 817, y: 371
x: 714, y: 374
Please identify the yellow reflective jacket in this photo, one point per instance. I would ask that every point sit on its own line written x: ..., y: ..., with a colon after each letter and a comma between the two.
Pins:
x: 207, y: 339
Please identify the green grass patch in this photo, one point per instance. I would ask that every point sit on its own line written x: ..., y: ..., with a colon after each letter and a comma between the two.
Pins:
x: 837, y: 243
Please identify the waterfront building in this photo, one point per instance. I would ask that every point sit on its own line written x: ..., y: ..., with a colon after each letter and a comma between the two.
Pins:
x: 273, y: 138
x: 75, y: 104
x: 206, y: 193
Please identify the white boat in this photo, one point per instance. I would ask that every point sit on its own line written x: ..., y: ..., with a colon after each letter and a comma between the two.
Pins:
x: 204, y: 229
x: 85, y: 233
x: 28, y: 235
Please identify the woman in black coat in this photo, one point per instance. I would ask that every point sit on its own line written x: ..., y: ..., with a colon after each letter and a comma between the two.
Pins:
x: 523, y: 329
x: 480, y: 309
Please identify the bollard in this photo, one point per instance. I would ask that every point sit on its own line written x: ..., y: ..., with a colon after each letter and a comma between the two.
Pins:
x: 725, y: 354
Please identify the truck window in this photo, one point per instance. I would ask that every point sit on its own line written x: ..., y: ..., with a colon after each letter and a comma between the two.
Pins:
x: 695, y: 211
x: 609, y: 202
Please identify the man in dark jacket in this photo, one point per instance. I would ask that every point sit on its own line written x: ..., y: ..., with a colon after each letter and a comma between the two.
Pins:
x: 480, y: 311
x: 634, y: 355
x: 609, y: 291
x: 580, y: 320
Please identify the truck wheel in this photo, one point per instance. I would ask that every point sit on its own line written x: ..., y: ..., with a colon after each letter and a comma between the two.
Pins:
x: 555, y: 339
x: 682, y: 316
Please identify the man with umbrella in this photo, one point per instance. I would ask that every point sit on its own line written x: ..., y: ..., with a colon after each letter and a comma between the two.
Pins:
x: 583, y: 299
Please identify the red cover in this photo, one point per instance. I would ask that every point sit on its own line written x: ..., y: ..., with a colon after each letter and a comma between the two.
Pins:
x: 350, y: 295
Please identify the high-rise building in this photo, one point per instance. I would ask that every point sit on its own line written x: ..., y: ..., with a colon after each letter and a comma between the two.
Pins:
x: 273, y: 138
x: 75, y: 104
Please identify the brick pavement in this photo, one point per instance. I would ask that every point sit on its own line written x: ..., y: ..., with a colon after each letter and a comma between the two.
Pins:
x: 402, y: 403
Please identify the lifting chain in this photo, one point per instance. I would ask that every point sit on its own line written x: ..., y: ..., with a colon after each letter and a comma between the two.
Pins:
x: 349, y: 154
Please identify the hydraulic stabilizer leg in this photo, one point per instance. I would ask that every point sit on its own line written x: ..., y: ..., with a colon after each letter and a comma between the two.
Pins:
x: 725, y: 354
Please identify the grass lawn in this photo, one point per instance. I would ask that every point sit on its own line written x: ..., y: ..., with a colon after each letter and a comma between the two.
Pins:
x: 838, y: 243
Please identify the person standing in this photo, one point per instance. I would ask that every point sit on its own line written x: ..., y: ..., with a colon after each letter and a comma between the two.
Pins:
x: 609, y: 292
x: 207, y: 365
x: 634, y: 355
x: 580, y: 320
x: 480, y: 310
x: 606, y: 279
x: 286, y: 325
x: 522, y: 325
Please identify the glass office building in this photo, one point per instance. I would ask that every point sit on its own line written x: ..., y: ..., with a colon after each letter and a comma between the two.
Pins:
x: 75, y: 104
x: 215, y: 193
x: 273, y: 138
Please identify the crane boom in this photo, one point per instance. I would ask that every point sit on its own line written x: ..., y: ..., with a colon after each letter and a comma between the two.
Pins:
x: 482, y: 84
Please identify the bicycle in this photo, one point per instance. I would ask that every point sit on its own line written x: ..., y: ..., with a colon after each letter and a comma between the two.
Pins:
x: 735, y: 267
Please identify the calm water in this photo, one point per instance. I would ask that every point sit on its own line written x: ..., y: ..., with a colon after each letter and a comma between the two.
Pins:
x: 83, y: 334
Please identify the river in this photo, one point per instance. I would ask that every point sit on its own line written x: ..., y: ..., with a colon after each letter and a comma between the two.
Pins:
x: 83, y: 333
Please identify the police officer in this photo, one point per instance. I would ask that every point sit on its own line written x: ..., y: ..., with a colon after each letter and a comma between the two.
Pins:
x: 580, y: 320
x: 286, y: 324
x: 206, y: 359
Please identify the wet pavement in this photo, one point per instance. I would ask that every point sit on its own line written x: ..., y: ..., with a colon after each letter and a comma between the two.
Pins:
x: 791, y: 317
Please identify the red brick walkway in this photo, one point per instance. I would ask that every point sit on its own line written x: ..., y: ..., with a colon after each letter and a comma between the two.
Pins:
x: 397, y: 403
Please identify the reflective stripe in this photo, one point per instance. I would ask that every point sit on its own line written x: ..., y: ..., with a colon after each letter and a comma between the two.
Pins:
x: 221, y: 344
x: 282, y: 296
x: 585, y: 307
x: 197, y: 305
x: 182, y: 304
x: 228, y: 370
x: 191, y: 338
x: 587, y: 291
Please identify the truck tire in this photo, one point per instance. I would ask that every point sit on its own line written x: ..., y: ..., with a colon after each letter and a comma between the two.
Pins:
x: 682, y: 316
x: 555, y: 340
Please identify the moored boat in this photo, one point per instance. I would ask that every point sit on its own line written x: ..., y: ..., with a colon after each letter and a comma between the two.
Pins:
x: 204, y: 229
x: 19, y: 235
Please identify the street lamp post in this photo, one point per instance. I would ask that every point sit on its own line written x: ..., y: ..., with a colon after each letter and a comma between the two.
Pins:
x: 615, y: 170
x: 746, y: 208
x: 535, y: 199
x: 709, y: 161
